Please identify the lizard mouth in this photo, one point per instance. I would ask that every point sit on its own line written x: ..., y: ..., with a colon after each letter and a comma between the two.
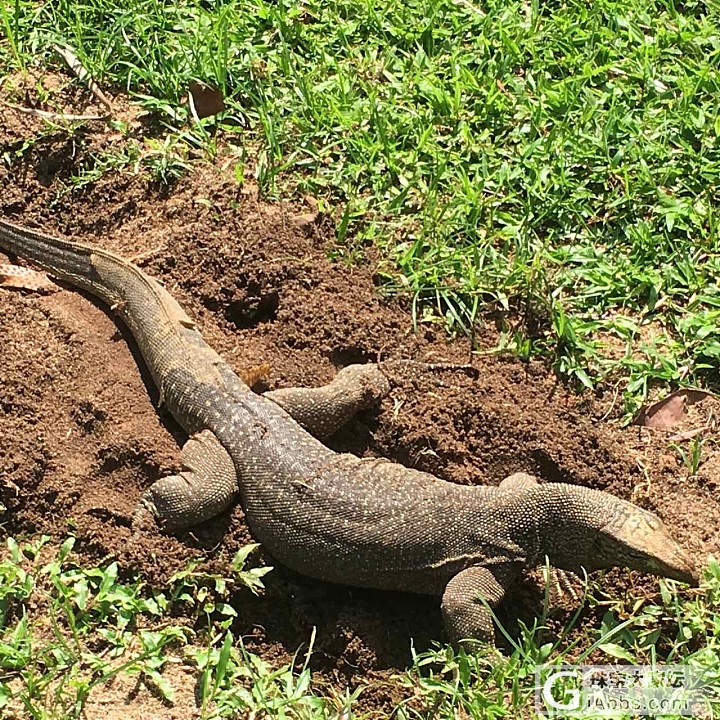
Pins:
x: 675, y: 564
x: 649, y: 548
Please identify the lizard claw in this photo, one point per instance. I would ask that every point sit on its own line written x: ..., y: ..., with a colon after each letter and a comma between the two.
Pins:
x: 567, y: 584
x: 144, y: 516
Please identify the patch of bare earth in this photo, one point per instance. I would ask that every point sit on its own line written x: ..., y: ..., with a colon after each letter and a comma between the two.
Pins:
x: 83, y: 436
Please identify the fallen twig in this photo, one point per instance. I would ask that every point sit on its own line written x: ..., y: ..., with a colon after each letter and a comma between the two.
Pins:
x: 83, y: 75
x: 47, y: 115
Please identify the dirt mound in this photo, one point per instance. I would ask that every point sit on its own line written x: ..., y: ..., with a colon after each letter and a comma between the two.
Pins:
x: 83, y: 436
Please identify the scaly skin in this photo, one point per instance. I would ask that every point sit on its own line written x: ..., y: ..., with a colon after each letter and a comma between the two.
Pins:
x: 337, y: 517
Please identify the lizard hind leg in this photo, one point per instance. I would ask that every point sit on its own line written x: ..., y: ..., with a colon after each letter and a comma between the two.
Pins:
x: 205, y: 486
x: 324, y: 410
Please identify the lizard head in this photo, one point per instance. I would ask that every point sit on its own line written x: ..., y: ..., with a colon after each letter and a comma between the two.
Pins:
x: 594, y: 530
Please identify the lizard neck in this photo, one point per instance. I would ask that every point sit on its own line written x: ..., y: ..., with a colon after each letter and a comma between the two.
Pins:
x: 516, y: 518
x: 569, y: 518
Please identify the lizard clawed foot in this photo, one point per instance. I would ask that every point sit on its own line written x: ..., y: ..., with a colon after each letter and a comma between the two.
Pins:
x: 205, y: 486
x: 468, y: 601
x: 144, y: 517
x: 567, y: 584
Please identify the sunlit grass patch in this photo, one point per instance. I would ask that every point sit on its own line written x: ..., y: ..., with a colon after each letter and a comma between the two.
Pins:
x: 67, y: 632
x: 558, y: 161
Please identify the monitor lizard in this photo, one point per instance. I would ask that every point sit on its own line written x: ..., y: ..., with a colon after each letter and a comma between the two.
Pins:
x: 336, y: 517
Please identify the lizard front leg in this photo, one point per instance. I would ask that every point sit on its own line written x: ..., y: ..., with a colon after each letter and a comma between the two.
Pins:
x: 467, y: 620
x: 205, y: 486
x: 564, y: 582
x: 519, y: 481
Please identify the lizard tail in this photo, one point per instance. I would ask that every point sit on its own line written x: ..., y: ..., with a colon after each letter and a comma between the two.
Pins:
x: 68, y: 261
x: 100, y: 272
x: 51, y: 253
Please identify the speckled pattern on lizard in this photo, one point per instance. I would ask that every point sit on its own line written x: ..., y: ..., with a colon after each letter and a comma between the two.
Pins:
x: 337, y: 517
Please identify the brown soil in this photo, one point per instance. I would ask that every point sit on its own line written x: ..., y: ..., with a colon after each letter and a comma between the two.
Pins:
x: 82, y: 435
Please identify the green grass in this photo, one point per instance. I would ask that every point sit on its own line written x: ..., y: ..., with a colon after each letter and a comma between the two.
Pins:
x: 559, y: 161
x: 65, y: 632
